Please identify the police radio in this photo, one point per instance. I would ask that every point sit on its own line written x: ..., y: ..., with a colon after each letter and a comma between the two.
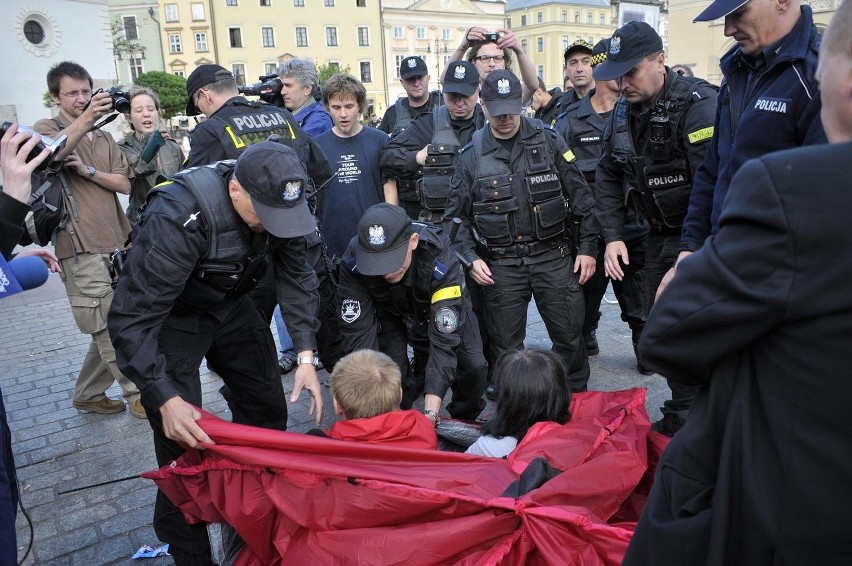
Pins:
x: 660, y: 139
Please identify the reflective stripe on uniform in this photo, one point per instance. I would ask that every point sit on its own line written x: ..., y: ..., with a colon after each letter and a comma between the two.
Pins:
x: 446, y: 293
x: 700, y: 135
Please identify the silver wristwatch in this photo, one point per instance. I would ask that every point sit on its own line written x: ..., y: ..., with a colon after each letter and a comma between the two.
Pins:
x: 313, y: 360
x: 92, y: 172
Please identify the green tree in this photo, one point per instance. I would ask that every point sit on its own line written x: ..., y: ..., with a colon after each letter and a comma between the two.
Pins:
x: 170, y: 88
x: 47, y: 99
x: 326, y: 72
x: 121, y: 46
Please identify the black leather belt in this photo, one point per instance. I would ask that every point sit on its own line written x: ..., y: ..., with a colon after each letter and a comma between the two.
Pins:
x: 528, y: 248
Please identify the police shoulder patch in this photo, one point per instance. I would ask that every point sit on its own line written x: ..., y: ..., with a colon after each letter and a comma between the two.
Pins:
x: 439, y: 271
x: 350, y: 310
x: 569, y: 156
x: 446, y: 293
x: 700, y: 135
x: 446, y: 320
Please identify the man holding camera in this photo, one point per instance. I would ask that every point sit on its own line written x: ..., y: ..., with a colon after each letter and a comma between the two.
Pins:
x: 95, y: 170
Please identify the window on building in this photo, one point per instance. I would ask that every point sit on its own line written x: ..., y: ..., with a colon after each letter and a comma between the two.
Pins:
x: 299, y: 3
x: 366, y: 73
x: 34, y: 32
x: 524, y: 45
x: 592, y: 39
x: 446, y: 34
x: 130, y: 31
x: 230, y: 3
x: 360, y: 3
x: 175, y: 45
x: 334, y: 66
x: 235, y: 36
x: 564, y: 17
x: 179, y: 73
x: 539, y: 17
x: 564, y: 43
x: 363, y: 36
x: 269, y: 68
x: 541, y: 72
x: 239, y: 71
x: 301, y: 36
x: 331, y: 36
x: 577, y: 16
x: 421, y: 33
x: 508, y: 23
x: 397, y: 62
x: 171, y: 13
x: 267, y: 36
x: 540, y: 44
x: 602, y: 18
x: 328, y: 3
x: 523, y: 21
x: 590, y: 18
x: 135, y: 64
x: 200, y: 41
x: 265, y: 4
x: 197, y: 11
x: 397, y: 32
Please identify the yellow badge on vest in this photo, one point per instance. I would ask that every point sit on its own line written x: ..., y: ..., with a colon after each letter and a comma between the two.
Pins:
x: 568, y: 156
x: 446, y: 293
x: 701, y: 135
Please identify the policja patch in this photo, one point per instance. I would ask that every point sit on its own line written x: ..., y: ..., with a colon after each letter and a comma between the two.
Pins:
x: 350, y: 310
x: 447, y: 320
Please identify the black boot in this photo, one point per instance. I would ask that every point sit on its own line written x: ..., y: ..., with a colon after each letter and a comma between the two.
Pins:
x: 591, y: 340
x: 637, y: 332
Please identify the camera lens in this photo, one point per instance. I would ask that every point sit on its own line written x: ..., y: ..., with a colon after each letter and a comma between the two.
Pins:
x: 121, y: 104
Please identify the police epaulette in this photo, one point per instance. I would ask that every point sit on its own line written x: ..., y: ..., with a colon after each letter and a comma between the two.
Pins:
x: 467, y: 146
x: 440, y: 271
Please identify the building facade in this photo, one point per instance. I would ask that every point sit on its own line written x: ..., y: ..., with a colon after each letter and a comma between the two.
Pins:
x: 546, y: 28
x: 136, y: 31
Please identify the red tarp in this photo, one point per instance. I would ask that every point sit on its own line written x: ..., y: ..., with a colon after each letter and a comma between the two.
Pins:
x: 301, y: 499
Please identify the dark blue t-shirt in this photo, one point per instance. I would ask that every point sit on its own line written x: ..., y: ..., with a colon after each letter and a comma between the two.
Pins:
x: 356, y: 186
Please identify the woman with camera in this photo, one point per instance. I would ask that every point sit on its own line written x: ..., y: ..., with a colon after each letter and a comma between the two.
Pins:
x: 152, y: 153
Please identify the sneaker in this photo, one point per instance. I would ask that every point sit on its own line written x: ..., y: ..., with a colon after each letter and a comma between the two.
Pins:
x: 286, y: 363
x: 491, y: 392
x: 591, y: 340
x: 668, y: 425
x: 137, y: 410
x: 104, y: 406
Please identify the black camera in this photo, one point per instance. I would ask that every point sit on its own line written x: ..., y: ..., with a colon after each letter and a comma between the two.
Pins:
x: 54, y: 145
x: 120, y: 99
x: 491, y: 37
x: 116, y: 265
x: 268, y: 89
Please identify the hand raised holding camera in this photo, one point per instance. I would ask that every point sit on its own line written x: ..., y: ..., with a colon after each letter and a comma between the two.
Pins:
x: 15, y: 150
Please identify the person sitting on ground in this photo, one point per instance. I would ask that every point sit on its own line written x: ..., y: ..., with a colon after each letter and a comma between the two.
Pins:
x: 532, y: 388
x: 367, y: 389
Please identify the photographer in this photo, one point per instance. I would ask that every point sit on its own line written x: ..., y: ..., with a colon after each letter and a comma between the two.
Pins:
x: 491, y: 51
x: 95, y: 170
x: 299, y: 82
x: 150, y: 150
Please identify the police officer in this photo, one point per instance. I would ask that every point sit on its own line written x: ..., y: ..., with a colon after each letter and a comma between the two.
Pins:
x: 401, y: 283
x: 198, y: 249
x: 583, y: 126
x: 577, y: 68
x: 513, y: 188
x: 427, y: 150
x: 414, y: 78
x: 657, y: 138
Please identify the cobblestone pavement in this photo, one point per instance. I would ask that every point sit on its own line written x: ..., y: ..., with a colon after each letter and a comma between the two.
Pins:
x: 78, y: 471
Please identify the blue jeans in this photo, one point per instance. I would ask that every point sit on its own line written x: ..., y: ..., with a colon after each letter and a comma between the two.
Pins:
x: 283, y: 336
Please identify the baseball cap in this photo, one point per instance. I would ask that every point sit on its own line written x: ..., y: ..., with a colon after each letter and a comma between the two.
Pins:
x: 412, y: 67
x: 579, y: 45
x: 201, y: 77
x: 383, y: 233
x: 501, y: 92
x: 628, y: 45
x: 462, y: 78
x: 599, y: 52
x: 276, y: 181
x: 719, y: 9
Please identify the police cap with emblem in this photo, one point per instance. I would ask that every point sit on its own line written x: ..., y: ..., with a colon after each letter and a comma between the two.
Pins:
x: 462, y: 78
x: 628, y: 45
x: 501, y: 93
x: 200, y: 78
x: 719, y: 9
x: 276, y: 180
x: 383, y: 234
x: 412, y: 67
x: 579, y: 45
x: 599, y: 52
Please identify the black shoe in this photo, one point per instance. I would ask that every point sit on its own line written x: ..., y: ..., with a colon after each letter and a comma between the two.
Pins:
x: 668, y: 425
x: 591, y: 339
x: 491, y: 392
x: 642, y: 369
x: 286, y: 363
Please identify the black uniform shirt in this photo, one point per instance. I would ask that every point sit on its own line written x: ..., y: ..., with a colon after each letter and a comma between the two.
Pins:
x: 388, y: 122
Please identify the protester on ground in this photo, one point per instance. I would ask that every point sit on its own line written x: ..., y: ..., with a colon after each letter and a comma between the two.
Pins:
x: 152, y: 156
x: 513, y: 185
x: 96, y: 172
x: 532, y: 387
x: 660, y: 130
x: 760, y: 317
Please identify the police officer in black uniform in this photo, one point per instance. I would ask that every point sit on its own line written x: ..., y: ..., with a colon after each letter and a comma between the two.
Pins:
x: 583, y: 126
x: 514, y: 188
x: 199, y: 248
x: 400, y: 283
x: 426, y: 151
x: 655, y: 142
x: 235, y: 123
x: 414, y: 78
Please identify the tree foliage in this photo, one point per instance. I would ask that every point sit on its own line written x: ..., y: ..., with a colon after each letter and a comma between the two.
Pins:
x: 170, y: 88
x: 121, y: 46
x: 327, y: 71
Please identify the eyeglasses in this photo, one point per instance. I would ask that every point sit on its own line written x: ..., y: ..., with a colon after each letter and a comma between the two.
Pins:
x: 75, y: 93
x: 486, y: 58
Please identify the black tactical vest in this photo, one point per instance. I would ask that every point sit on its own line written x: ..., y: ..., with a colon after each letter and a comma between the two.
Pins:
x: 519, y: 206
x: 662, y: 174
x: 255, y: 124
x: 403, y: 116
